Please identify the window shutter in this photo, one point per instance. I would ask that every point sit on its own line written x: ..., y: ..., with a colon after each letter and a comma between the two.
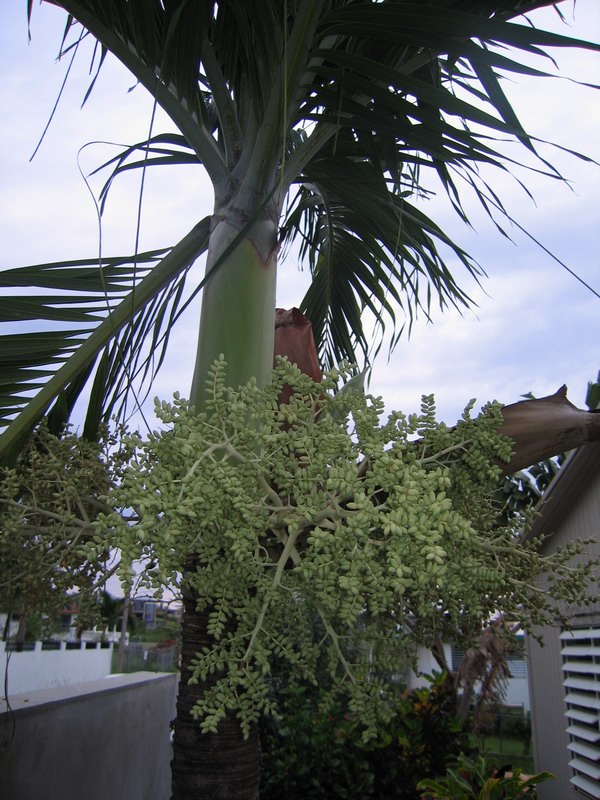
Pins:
x: 581, y: 669
x: 457, y: 658
x: 517, y: 666
x: 516, y: 662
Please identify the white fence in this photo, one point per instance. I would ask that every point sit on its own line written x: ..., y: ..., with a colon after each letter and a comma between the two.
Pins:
x: 47, y: 665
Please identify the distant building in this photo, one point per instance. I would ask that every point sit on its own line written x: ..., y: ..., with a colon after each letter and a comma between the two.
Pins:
x: 67, y: 619
x: 151, y: 612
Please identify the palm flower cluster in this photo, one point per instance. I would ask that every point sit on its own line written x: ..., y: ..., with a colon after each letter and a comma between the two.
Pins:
x: 314, y: 531
x: 48, y: 503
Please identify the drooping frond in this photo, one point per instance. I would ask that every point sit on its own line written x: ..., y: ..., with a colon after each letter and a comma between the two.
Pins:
x: 369, y: 248
x: 387, y: 112
x: 483, y: 674
x: 336, y: 110
x: 114, y: 314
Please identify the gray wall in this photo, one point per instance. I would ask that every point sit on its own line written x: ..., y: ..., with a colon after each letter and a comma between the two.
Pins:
x: 102, y: 740
x: 546, y: 695
x: 571, y: 509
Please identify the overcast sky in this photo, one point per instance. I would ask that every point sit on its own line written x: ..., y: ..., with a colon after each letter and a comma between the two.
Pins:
x: 535, y: 327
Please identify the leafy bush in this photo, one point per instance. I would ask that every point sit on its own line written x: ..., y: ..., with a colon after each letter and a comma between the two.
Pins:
x: 481, y: 780
x: 316, y: 752
x: 310, y: 754
x: 517, y: 725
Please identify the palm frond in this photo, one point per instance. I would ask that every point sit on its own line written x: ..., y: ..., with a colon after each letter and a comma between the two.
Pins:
x: 418, y: 85
x: 165, y: 149
x: 344, y: 107
x: 369, y: 248
x: 160, y: 44
x: 380, y: 99
x: 140, y: 295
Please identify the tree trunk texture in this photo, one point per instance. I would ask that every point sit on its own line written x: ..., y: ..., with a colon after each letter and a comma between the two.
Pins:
x: 207, y: 766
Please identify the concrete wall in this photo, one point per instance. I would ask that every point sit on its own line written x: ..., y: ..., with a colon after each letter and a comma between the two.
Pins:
x: 35, y: 669
x: 102, y: 740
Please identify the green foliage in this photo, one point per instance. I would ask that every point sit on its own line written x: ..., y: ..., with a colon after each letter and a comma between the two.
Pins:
x: 330, y: 121
x: 316, y: 752
x: 385, y: 529
x: 34, y: 629
x: 517, y: 725
x: 47, y: 506
x: 310, y: 752
x: 110, y: 608
x: 169, y: 630
x: 506, y: 750
x: 480, y: 780
x: 520, y: 492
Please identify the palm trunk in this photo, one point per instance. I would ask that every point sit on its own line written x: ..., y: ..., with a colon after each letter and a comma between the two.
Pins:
x: 238, y: 321
x: 238, y: 304
x: 207, y: 766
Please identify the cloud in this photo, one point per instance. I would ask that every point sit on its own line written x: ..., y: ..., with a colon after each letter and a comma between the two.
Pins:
x: 533, y: 327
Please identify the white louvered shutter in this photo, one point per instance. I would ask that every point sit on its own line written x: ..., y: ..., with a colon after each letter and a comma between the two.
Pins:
x: 581, y: 669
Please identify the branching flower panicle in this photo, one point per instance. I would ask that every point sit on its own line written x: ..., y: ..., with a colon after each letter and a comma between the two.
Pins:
x: 311, y: 533
x: 318, y: 508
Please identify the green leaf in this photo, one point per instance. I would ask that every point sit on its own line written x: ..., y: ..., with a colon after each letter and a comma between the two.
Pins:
x: 74, y: 351
x: 344, y: 107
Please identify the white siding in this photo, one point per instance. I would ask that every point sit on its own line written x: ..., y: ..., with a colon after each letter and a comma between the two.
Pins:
x: 581, y: 669
x: 571, y: 509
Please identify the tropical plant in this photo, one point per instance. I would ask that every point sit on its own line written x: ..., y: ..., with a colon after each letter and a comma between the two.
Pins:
x: 47, y: 504
x: 315, y: 751
x: 479, y: 779
x: 316, y: 120
x: 311, y: 507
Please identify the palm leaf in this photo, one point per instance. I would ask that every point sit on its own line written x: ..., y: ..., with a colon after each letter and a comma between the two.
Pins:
x: 165, y: 149
x: 137, y: 298
x: 346, y: 106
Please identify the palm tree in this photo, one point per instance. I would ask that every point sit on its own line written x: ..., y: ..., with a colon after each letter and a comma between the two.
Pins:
x: 316, y: 121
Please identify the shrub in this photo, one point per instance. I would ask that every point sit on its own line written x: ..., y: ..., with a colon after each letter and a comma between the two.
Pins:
x: 316, y: 752
x: 479, y: 779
